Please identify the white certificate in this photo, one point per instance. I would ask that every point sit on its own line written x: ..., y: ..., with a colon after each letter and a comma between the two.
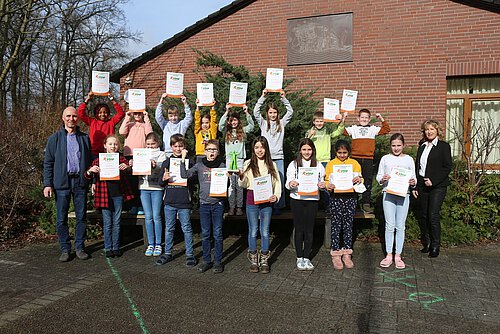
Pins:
x: 100, y: 83
x: 136, y: 100
x: 175, y: 84
x: 108, y: 166
x: 218, y: 182
x: 142, y: 161
x: 399, y: 182
x: 308, y: 181
x: 349, y: 101
x: 331, y: 110
x: 238, y: 93
x: 342, y: 178
x: 274, y: 79
x: 262, y: 189
x: 205, y: 93
x: 175, y: 172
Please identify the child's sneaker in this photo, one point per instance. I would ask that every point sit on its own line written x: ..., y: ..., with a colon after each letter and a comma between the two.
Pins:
x: 218, y: 268
x: 149, y: 251
x: 300, y: 263
x: 308, y: 264
x: 157, y: 251
x: 204, y: 266
x: 191, y: 261
x: 164, y: 259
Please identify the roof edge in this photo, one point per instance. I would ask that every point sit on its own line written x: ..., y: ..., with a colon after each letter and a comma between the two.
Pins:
x: 179, y: 37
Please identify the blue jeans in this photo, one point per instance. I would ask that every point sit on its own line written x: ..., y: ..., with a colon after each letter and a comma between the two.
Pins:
x: 281, y: 170
x: 395, y: 212
x: 185, y: 219
x: 111, y: 217
x: 211, y: 218
x: 152, y: 201
x: 63, y: 198
x: 264, y: 211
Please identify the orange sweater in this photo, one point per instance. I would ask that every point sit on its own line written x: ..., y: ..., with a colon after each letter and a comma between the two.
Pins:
x: 363, y: 139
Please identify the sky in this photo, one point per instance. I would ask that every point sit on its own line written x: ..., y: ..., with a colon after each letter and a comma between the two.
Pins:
x: 158, y: 20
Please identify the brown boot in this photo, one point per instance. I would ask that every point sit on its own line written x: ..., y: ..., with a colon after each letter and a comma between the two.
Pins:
x: 336, y: 259
x: 231, y: 212
x: 254, y: 261
x: 346, y: 257
x: 263, y: 262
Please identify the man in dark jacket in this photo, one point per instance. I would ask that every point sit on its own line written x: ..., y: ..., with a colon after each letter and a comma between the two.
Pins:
x: 67, y: 157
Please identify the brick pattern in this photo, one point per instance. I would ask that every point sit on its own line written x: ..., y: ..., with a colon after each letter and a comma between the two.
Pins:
x: 402, y: 53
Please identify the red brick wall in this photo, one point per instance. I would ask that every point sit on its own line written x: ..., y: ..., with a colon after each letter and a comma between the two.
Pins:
x: 402, y: 53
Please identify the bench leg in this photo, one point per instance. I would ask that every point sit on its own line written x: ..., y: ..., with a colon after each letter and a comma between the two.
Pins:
x: 327, y: 236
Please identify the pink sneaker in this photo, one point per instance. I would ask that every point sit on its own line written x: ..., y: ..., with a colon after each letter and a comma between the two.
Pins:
x: 387, y: 261
x: 398, y: 262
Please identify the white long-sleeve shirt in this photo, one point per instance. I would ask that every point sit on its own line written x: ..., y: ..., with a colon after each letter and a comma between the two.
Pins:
x: 389, y: 161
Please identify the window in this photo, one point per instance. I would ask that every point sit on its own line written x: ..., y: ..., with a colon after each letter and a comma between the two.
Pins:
x: 473, y: 118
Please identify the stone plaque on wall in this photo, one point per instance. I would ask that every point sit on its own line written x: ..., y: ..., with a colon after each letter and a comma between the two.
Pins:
x: 320, y: 39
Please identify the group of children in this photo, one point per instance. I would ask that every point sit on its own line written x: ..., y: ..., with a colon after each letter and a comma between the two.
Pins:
x: 158, y: 189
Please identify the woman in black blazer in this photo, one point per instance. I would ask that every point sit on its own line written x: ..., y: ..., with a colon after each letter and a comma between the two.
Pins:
x: 433, y: 165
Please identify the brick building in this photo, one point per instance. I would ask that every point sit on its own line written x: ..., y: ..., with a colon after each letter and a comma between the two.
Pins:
x: 411, y: 60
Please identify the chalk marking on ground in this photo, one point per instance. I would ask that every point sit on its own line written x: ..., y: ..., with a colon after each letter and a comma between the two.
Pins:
x: 12, y: 263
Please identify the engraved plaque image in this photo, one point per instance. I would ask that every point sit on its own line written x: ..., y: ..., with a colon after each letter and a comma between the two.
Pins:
x: 320, y: 39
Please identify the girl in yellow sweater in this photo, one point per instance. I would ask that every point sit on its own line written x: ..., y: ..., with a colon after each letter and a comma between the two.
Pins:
x: 342, y: 204
x: 205, y: 128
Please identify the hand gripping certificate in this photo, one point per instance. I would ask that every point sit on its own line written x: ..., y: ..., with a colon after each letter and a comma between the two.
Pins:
x: 308, y: 181
x: 274, y: 79
x: 142, y: 161
x: 331, y: 110
x: 349, y: 98
x: 100, y: 83
x: 175, y: 172
x: 108, y: 166
x: 175, y: 84
x: 342, y: 179
x: 238, y: 94
x: 399, y: 182
x: 218, y: 182
x: 262, y: 189
x: 205, y: 93
x: 136, y: 100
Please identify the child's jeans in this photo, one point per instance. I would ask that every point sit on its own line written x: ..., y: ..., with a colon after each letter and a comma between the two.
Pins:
x: 170, y: 217
x: 211, y: 219
x: 235, y: 193
x: 395, y: 212
x: 111, y: 217
x: 264, y: 211
x: 341, y: 211
x: 152, y: 202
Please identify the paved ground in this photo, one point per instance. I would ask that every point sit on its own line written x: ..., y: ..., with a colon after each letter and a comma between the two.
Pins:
x: 458, y: 292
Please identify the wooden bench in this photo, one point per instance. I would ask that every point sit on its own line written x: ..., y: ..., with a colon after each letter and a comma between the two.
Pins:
x: 128, y: 219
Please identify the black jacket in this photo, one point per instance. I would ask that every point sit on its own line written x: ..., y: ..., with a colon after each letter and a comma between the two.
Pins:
x: 438, y: 165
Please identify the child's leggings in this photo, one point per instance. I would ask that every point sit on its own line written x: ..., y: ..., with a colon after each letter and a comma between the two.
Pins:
x: 341, y: 211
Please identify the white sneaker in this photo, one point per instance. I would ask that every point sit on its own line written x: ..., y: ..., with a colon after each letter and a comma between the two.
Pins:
x: 308, y: 264
x: 300, y: 263
x: 157, y: 251
x: 149, y: 251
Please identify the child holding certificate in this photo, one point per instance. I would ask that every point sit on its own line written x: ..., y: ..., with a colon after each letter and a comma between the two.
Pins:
x: 205, y: 129
x: 211, y: 202
x: 152, y: 196
x: 396, y: 170
x: 172, y: 125
x: 102, y: 124
x: 260, y: 176
x: 322, y: 136
x: 363, y: 147
x: 177, y: 200
x: 342, y: 173
x: 304, y: 178
x: 273, y: 128
x: 135, y: 127
x: 235, y: 135
x: 109, y: 196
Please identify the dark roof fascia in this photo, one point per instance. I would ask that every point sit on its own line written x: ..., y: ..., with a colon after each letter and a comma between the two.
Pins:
x: 180, y: 37
x: 489, y: 5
